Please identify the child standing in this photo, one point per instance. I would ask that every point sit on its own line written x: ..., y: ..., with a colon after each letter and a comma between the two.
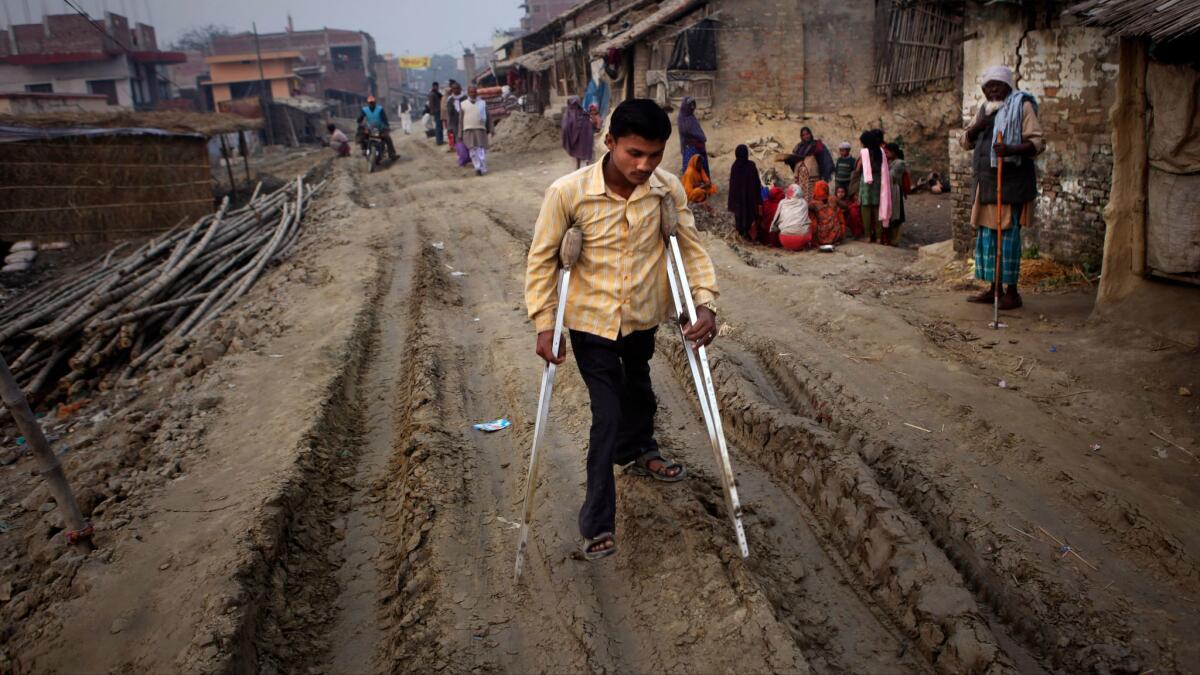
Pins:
x: 843, y: 167
x: 896, y: 170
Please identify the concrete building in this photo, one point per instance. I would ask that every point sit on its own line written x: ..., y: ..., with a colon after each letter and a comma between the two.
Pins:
x: 25, y: 103
x: 538, y: 13
x: 68, y: 54
x: 238, y: 76
x: 336, y: 64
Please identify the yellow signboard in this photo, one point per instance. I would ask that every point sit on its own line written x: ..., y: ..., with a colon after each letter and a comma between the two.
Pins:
x: 415, y: 62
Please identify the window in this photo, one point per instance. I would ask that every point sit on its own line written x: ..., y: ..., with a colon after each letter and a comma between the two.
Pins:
x: 106, y: 88
x: 43, y: 88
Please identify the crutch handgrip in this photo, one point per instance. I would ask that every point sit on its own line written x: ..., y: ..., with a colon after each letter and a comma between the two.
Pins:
x: 569, y: 250
x: 667, y: 216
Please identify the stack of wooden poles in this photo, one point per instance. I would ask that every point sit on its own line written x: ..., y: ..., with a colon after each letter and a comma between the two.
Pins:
x: 116, y: 314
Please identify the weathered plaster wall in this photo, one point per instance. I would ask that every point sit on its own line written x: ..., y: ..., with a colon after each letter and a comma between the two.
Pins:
x: 1072, y: 72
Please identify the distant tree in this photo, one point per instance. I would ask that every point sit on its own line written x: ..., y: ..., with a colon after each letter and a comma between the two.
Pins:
x: 199, y: 38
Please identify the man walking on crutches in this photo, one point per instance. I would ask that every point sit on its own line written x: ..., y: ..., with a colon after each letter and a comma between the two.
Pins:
x: 617, y: 297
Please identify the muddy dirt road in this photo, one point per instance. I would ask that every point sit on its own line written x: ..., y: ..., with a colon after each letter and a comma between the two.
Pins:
x: 876, y: 545
x: 905, y: 513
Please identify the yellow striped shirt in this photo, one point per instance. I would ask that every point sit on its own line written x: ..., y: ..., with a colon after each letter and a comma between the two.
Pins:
x: 620, y: 283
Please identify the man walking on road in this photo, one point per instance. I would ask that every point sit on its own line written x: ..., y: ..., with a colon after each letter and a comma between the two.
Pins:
x: 473, y: 111
x: 618, y: 296
x: 435, y: 107
x: 1013, y: 112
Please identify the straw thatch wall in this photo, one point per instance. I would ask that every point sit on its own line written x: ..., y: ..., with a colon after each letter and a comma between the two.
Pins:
x: 101, y: 187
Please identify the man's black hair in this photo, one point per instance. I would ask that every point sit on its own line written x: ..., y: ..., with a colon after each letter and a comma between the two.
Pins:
x: 640, y: 117
x: 331, y: 126
x: 435, y: 84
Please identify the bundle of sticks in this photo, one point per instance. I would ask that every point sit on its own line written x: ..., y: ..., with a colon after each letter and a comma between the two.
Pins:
x: 116, y: 314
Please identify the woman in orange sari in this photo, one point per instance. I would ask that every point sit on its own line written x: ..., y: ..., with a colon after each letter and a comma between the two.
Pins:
x: 696, y: 183
x: 829, y: 224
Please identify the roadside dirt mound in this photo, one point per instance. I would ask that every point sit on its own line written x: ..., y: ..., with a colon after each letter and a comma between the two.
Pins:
x: 523, y: 132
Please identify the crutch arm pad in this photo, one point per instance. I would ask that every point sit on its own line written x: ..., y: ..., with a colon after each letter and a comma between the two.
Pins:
x: 571, y: 247
x: 668, y: 216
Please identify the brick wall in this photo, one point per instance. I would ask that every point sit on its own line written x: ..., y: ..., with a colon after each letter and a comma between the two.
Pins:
x: 314, y: 47
x: 70, y: 33
x: 760, y: 54
x: 1072, y: 72
x: 796, y: 57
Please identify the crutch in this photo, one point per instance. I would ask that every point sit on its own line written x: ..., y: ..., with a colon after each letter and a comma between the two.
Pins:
x: 568, y: 255
x: 701, y: 373
x: 998, y: 276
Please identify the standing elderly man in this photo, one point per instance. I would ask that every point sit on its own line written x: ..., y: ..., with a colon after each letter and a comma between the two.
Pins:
x: 473, y: 113
x: 1012, y: 112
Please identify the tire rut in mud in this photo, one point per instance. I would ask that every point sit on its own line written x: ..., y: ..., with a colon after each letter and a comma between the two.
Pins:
x: 888, y: 549
x: 289, y: 588
x: 1016, y: 593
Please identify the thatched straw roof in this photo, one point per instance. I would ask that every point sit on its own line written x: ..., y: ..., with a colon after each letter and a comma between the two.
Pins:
x: 205, y: 124
x: 1161, y: 20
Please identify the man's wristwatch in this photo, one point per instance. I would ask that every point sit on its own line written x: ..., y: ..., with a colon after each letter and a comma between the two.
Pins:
x: 710, y: 305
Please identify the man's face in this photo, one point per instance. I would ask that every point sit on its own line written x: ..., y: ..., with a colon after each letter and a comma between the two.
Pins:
x: 472, y: 92
x: 635, y: 157
x: 996, y: 91
x: 457, y: 90
x: 805, y: 135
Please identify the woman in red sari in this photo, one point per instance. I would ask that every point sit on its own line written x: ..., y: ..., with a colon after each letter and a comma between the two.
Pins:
x: 829, y: 225
x: 764, y: 235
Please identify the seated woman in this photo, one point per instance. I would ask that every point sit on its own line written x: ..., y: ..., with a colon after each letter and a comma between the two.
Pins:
x: 696, y: 183
x: 829, y: 225
x: 851, y: 212
x: 770, y: 207
x: 792, y: 221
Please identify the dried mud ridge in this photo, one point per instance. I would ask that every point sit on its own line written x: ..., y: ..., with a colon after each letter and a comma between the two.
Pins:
x: 891, y: 519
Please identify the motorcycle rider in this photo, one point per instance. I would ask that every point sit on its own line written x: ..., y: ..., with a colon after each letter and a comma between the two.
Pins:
x: 375, y: 117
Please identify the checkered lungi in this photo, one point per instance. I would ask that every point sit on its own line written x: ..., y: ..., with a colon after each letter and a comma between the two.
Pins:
x: 985, y: 254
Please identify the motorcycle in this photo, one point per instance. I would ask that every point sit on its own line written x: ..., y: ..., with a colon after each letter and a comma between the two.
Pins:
x: 374, y: 149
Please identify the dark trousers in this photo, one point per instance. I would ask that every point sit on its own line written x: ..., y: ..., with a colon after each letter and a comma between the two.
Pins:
x: 437, y: 130
x: 617, y: 375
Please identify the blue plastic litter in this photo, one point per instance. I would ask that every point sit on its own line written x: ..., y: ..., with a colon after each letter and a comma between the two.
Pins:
x: 494, y: 425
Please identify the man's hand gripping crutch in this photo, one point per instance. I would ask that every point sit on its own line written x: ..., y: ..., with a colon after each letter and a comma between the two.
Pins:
x: 568, y: 255
x: 697, y: 357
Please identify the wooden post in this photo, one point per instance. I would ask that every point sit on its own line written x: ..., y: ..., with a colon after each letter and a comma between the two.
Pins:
x: 228, y: 166
x: 80, y: 533
x: 244, y: 148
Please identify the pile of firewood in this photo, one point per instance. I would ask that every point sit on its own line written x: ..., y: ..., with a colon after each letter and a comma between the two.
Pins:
x: 115, y: 315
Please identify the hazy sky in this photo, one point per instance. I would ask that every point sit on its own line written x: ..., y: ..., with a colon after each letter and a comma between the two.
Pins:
x: 416, y: 27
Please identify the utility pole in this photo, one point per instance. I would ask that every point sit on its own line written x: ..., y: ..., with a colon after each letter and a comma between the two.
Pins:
x: 262, y: 89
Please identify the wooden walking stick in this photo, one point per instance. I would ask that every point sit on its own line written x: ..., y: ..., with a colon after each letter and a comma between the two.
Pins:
x: 80, y: 534
x: 568, y: 255
x: 998, y: 276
